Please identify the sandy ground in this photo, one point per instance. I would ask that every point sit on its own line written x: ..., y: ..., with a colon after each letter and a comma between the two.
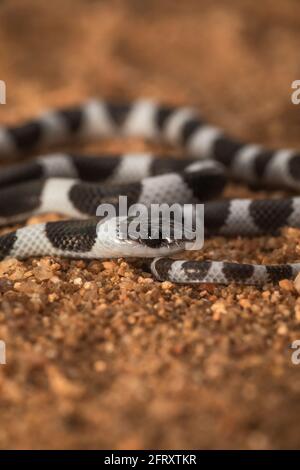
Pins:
x: 98, y: 354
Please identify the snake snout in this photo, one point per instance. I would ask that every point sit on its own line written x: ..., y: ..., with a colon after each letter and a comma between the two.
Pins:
x: 140, y: 237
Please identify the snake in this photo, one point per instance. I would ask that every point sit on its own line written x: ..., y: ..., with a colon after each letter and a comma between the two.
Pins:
x: 75, y: 185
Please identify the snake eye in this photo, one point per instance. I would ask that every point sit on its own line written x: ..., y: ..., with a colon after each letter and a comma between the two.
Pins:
x: 156, y: 238
x: 152, y: 235
x: 156, y: 242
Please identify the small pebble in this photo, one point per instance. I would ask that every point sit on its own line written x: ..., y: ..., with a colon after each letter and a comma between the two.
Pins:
x: 287, y: 285
x: 297, y: 283
x: 166, y: 285
x: 78, y: 281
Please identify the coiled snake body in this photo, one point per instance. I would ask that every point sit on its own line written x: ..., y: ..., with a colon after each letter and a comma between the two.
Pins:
x: 76, y: 185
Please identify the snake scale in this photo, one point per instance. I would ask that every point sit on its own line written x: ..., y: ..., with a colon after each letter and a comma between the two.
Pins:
x: 75, y: 185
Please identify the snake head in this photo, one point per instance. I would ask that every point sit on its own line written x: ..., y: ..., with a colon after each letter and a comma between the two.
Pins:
x: 132, y: 236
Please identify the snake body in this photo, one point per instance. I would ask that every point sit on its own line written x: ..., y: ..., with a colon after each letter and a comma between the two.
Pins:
x: 75, y: 185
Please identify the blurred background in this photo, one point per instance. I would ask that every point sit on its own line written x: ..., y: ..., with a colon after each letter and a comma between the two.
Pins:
x: 235, y: 60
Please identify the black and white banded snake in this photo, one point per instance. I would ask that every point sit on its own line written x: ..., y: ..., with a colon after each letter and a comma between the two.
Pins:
x: 76, y: 185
